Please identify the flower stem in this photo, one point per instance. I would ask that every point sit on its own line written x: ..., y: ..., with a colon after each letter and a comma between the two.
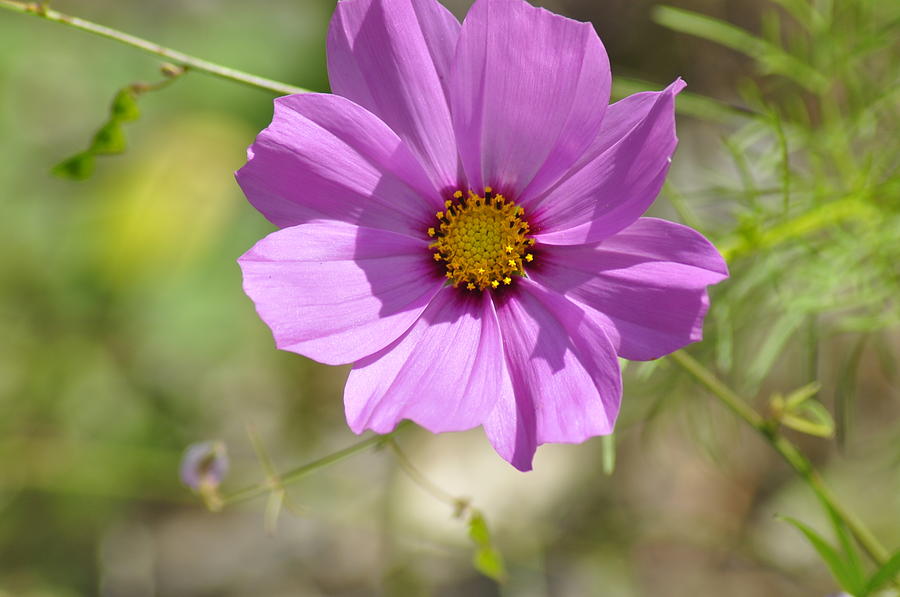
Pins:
x: 459, y: 505
x: 184, y: 60
x: 800, y: 463
x: 275, y: 482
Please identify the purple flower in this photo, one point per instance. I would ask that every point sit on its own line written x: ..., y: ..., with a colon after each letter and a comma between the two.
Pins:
x: 204, y: 466
x: 460, y: 220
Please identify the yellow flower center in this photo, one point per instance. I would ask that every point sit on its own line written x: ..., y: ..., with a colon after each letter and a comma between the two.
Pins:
x: 482, y: 241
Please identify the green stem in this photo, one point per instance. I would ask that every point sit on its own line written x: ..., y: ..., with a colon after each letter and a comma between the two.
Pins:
x: 458, y: 504
x: 279, y: 481
x: 800, y: 463
x: 181, y: 59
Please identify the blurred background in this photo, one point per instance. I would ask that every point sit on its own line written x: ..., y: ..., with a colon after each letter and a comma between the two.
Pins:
x: 125, y: 336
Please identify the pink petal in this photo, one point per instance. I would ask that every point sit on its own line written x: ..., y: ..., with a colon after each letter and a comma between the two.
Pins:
x: 335, y: 292
x: 325, y: 157
x: 621, y: 117
x: 614, y: 189
x: 646, y: 286
x: 564, y: 374
x: 392, y: 57
x: 528, y: 92
x: 512, y: 429
x: 445, y: 373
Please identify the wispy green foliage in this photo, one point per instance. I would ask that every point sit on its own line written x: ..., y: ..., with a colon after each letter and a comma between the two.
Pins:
x: 813, y: 212
x: 813, y: 196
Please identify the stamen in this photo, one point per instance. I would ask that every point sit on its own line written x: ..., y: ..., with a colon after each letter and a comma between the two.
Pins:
x: 481, y: 240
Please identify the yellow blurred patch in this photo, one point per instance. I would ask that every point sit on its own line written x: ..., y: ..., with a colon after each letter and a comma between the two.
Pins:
x: 173, y: 201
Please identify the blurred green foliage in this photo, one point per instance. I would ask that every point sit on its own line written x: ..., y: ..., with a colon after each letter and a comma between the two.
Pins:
x: 126, y: 337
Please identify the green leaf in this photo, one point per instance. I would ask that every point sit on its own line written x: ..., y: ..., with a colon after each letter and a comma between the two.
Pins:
x: 124, y: 106
x: 845, y: 394
x: 108, y: 140
x: 489, y: 562
x: 487, y: 558
x: 845, y: 576
x: 854, y: 564
x: 770, y: 58
x: 803, y: 12
x: 478, y: 531
x: 706, y: 27
x: 778, y: 335
x: 801, y: 395
x: 802, y: 414
x: 785, y: 160
x: 883, y: 575
x: 78, y: 167
x: 811, y: 418
x: 808, y: 427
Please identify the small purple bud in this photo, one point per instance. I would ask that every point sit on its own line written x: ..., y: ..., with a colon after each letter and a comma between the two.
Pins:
x: 204, y: 466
